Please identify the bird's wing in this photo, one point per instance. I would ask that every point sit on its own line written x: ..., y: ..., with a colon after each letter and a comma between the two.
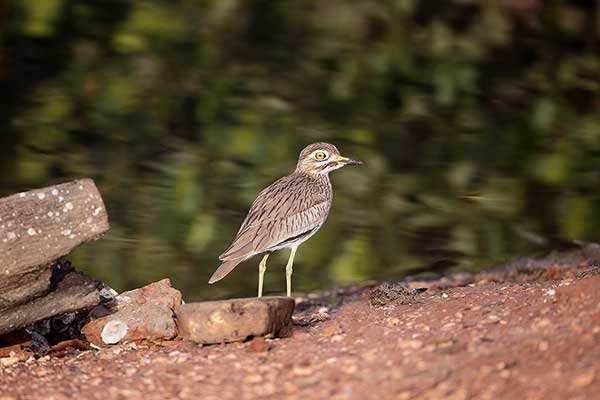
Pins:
x: 286, y: 209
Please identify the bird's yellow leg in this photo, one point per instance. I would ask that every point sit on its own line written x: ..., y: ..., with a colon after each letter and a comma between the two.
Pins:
x: 262, y: 267
x: 288, y: 272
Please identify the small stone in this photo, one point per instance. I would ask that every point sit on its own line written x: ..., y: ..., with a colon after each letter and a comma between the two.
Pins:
x: 551, y: 292
x: 252, y: 379
x: 106, y: 355
x: 416, y: 344
x: 445, y: 295
x: 583, y: 380
x: 410, y: 344
x: 337, y: 338
x: 8, y: 361
x: 406, y: 395
x: 350, y: 369
x: 544, y: 322
x: 491, y: 319
x: 258, y: 345
x: 95, y: 382
x: 448, y: 326
x: 543, y: 346
x: 331, y: 330
x: 302, y: 371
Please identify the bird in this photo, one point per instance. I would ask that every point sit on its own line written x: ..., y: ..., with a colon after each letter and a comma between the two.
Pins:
x: 286, y: 213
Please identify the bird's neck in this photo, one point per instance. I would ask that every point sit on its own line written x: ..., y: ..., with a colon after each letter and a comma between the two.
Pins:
x: 320, y: 180
x: 321, y: 177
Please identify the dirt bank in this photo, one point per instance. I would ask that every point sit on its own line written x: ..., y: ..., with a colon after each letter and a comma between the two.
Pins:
x: 528, y: 333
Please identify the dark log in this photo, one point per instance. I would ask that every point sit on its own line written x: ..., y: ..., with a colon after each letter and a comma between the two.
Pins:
x: 37, y: 228
x: 74, y: 292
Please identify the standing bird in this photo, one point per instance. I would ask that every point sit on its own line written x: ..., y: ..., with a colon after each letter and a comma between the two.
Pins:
x: 287, y: 213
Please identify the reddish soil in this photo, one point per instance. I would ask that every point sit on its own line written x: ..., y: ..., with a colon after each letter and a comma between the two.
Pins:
x: 527, y: 334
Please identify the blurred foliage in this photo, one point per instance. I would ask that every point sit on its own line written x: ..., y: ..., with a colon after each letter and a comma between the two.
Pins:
x: 478, y: 121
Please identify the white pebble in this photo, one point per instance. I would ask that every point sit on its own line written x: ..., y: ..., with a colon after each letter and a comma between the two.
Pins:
x: 54, y: 192
x: 31, y: 231
x: 113, y: 331
x: 41, y: 196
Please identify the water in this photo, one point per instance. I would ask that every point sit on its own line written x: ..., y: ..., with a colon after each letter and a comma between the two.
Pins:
x: 478, y: 126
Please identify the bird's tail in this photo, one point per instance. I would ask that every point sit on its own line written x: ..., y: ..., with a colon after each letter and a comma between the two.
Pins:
x: 224, y: 269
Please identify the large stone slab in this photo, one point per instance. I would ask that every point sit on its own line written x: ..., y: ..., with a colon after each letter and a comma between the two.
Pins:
x: 37, y: 228
x: 234, y: 320
x: 145, y: 313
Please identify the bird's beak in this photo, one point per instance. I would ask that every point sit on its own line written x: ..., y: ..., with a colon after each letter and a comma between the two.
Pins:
x: 348, y: 161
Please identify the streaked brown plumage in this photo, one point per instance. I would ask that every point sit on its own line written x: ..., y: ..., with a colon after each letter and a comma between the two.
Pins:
x: 287, y: 213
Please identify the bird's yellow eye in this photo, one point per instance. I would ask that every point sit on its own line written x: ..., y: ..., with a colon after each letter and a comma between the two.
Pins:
x: 320, y: 155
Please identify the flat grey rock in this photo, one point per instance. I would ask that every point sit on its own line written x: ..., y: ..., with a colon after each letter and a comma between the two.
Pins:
x: 234, y: 320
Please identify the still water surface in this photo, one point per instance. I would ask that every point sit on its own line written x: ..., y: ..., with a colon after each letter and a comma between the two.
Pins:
x: 478, y: 123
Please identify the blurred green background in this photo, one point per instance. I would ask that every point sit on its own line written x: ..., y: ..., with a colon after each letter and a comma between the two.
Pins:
x: 479, y: 122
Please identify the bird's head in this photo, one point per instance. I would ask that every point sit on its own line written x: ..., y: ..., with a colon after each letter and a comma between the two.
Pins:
x: 322, y: 158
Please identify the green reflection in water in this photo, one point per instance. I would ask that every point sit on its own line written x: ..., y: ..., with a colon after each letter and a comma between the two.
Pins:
x: 478, y: 123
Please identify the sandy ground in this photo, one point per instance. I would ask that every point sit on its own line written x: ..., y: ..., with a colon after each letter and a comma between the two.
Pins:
x: 527, y: 334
